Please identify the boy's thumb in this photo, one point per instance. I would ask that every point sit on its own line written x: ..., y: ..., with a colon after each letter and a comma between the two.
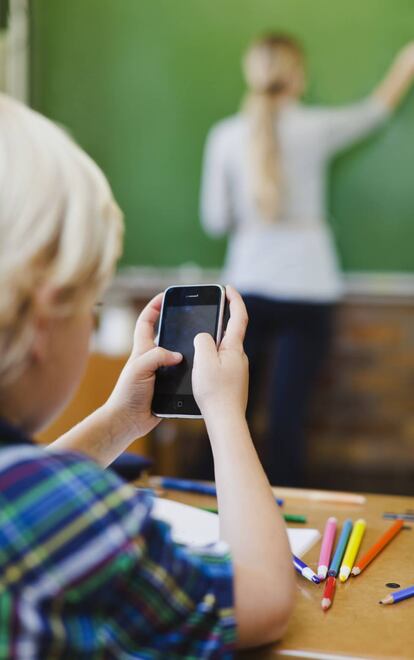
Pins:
x: 204, y: 347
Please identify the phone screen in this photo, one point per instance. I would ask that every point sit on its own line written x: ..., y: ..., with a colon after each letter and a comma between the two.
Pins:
x: 187, y: 311
x: 180, y: 326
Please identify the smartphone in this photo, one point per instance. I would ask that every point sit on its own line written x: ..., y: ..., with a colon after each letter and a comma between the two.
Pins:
x: 186, y: 311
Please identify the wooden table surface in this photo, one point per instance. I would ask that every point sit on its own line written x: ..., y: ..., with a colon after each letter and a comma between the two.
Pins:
x: 356, y: 626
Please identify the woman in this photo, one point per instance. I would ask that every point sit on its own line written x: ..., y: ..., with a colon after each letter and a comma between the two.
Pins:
x: 264, y: 182
x: 86, y: 571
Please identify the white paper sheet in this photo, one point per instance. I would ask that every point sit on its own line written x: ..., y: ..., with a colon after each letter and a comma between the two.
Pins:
x: 193, y: 526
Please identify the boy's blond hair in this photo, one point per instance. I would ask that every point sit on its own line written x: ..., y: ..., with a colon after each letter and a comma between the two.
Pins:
x: 60, y: 227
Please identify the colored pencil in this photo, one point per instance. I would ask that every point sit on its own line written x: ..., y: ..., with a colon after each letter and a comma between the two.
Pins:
x: 305, y: 570
x: 286, y: 516
x: 377, y: 547
x: 294, y: 518
x: 320, y: 495
x: 328, y: 594
x: 352, y: 549
x: 340, y: 548
x: 326, y: 547
x: 398, y: 596
x: 188, y: 486
x: 408, y: 517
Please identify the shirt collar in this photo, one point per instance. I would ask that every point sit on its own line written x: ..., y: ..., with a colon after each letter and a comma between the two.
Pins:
x: 12, y: 435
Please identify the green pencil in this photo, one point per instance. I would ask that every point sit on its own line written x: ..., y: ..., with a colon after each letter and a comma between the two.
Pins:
x: 288, y: 517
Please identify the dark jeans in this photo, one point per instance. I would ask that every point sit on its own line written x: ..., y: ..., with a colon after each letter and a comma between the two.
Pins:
x: 286, y: 342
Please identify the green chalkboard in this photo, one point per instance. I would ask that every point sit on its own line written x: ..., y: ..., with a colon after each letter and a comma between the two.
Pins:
x: 140, y: 82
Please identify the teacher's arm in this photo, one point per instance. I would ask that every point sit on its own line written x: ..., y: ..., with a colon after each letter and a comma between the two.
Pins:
x: 338, y: 128
x: 398, y: 79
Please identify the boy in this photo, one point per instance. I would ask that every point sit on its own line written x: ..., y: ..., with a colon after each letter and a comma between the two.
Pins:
x: 85, y: 569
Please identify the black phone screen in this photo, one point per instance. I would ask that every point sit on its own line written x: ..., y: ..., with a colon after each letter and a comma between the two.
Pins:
x: 180, y: 326
x: 187, y: 311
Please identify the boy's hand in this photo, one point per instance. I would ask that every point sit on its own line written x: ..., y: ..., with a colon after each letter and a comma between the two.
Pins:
x: 220, y: 376
x: 130, y: 402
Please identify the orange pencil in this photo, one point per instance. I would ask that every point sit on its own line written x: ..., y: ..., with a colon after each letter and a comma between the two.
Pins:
x: 377, y: 547
x: 328, y: 594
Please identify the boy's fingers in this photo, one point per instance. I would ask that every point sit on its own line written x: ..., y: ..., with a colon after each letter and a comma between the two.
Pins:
x: 237, y: 324
x: 155, y: 358
x: 144, y: 328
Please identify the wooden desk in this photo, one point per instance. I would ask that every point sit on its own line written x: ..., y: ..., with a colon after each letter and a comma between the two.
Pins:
x: 356, y: 627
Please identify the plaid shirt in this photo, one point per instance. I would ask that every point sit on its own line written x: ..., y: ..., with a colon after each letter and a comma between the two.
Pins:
x: 87, y: 572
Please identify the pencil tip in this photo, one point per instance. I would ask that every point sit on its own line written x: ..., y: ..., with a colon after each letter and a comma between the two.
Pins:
x: 326, y: 603
x: 344, y: 573
x: 322, y: 572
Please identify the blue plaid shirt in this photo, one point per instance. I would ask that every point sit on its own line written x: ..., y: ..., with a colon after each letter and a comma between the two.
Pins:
x: 87, y: 572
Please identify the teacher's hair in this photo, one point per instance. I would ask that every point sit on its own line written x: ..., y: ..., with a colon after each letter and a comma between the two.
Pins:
x: 274, y: 69
x: 60, y: 229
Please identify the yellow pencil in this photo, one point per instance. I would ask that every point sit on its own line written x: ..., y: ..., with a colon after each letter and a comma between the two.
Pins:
x: 352, y: 549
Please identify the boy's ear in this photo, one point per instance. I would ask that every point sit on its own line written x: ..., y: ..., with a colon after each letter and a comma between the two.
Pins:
x: 42, y: 325
x: 41, y: 339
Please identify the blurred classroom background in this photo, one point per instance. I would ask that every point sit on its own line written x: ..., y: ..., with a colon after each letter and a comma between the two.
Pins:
x: 138, y: 83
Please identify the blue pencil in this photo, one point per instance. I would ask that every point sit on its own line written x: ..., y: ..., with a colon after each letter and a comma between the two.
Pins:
x: 409, y: 517
x: 305, y: 570
x: 397, y: 596
x: 188, y: 486
x: 340, y: 549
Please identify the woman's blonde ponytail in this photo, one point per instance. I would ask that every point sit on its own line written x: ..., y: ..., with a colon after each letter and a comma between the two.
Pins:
x: 264, y: 155
x: 271, y: 67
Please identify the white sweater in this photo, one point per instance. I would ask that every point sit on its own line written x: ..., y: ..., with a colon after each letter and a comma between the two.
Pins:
x: 293, y: 258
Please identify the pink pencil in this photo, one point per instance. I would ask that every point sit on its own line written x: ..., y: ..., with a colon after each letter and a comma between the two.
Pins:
x: 326, y: 547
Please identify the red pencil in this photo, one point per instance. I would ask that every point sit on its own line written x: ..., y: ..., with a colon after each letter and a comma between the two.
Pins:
x: 377, y: 547
x: 328, y: 594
